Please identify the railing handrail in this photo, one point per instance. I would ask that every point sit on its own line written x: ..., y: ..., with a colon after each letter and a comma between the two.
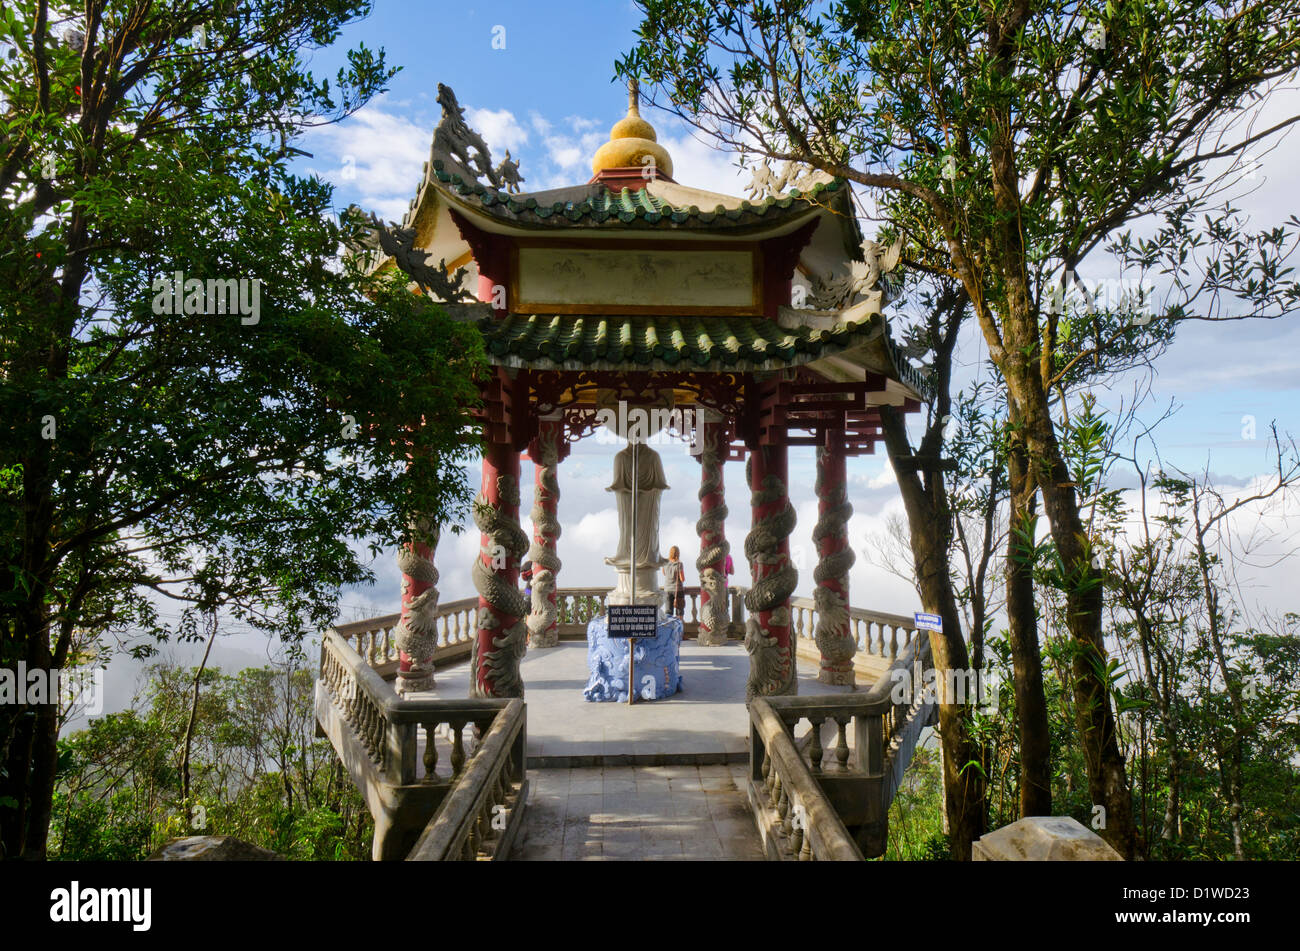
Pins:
x: 368, y: 679
x: 388, y: 621
x: 830, y: 840
x: 451, y: 825
x: 366, y: 624
x: 405, y: 709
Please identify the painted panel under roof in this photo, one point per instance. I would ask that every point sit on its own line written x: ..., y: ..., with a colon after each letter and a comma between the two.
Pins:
x: 634, y: 280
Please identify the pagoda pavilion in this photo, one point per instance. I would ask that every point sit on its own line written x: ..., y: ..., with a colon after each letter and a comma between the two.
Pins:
x: 760, y: 316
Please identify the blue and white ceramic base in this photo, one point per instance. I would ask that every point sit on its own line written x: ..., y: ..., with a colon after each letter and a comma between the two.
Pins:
x: 657, y: 667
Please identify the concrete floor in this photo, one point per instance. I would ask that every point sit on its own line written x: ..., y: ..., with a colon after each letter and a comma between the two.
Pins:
x: 705, y: 723
x: 683, y: 813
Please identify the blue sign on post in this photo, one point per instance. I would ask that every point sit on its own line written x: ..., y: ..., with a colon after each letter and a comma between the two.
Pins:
x: 928, y: 622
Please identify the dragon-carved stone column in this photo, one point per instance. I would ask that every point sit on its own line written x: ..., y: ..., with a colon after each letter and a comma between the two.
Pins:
x: 501, y: 638
x: 715, y: 614
x: 769, y: 637
x: 416, y: 634
x: 545, y: 451
x: 834, y: 559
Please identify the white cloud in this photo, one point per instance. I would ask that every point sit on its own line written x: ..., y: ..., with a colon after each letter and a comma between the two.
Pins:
x: 376, y: 153
x: 499, y: 128
x: 539, y: 123
x: 564, y: 153
x: 697, y: 165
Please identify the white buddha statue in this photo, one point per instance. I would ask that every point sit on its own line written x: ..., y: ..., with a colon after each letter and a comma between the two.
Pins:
x: 650, y: 484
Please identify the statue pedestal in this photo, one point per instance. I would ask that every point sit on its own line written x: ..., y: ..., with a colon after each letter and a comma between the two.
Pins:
x: 657, y: 667
x: 647, y: 584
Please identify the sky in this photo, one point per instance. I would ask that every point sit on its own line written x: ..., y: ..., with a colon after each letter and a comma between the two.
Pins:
x: 538, y: 79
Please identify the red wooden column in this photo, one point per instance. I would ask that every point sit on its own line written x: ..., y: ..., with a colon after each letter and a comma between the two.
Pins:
x: 834, y: 559
x: 715, y: 613
x: 546, y: 450
x: 416, y: 633
x: 499, y: 642
x: 501, y: 637
x: 769, y: 636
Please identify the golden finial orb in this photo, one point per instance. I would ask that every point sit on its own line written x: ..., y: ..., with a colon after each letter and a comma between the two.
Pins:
x: 632, y: 143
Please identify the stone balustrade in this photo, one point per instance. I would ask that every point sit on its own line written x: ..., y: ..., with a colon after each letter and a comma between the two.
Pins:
x: 408, y: 756
x: 436, y: 768
x: 481, y: 817
x: 795, y: 818
x: 876, y: 633
x: 374, y: 638
x: 854, y: 751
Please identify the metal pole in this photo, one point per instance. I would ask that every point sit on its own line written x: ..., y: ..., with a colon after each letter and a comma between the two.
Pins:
x: 631, y: 641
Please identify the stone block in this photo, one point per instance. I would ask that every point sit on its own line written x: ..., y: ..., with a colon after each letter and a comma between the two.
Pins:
x: 212, y: 848
x: 1044, y: 839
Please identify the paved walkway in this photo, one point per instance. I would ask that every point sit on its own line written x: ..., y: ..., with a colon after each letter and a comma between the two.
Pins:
x: 705, y: 723
x: 641, y: 812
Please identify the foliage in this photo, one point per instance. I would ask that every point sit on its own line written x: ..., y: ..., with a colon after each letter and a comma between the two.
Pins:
x: 916, y: 814
x: 242, y: 450
x: 260, y: 773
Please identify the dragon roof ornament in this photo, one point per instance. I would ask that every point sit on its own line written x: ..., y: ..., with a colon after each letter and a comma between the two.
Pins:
x: 454, y: 140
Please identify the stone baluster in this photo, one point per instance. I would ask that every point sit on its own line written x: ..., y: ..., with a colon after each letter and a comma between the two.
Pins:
x: 806, y: 852
x: 457, y: 747
x: 430, y: 752
x: 842, y: 743
x: 815, y: 750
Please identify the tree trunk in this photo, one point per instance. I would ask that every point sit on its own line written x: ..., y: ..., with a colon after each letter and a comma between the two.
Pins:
x: 31, y: 754
x: 1025, y: 361
x: 1107, y: 776
x: 930, y: 527
x: 1022, y: 618
x: 1232, y: 774
x: 194, y: 714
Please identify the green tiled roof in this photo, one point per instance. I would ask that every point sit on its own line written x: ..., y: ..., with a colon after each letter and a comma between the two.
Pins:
x: 650, y: 342
x: 630, y: 207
